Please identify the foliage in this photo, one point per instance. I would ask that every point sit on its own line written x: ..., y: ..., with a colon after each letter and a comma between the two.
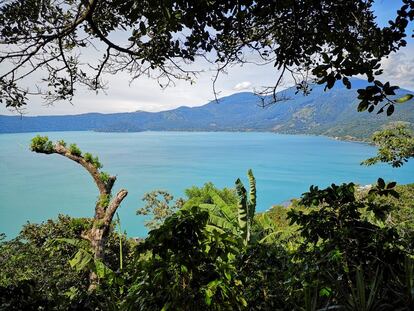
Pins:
x: 268, y: 275
x: 342, y: 247
x: 207, y: 194
x: 41, y: 144
x: 273, y: 226
x: 159, y: 208
x: 246, y: 206
x: 104, y: 199
x: 188, y: 268
x: 227, y: 210
x: 93, y: 160
x: 349, y: 249
x: 30, y: 264
x: 104, y: 176
x: 35, y: 267
x: 332, y: 41
x: 74, y: 150
x: 395, y: 146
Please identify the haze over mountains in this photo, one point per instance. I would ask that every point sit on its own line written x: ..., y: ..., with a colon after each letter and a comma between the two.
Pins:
x: 331, y: 113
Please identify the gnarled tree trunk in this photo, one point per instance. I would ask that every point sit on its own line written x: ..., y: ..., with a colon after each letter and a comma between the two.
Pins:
x: 106, y: 206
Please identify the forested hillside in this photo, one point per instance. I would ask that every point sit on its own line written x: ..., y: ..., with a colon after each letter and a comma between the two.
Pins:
x: 332, y: 113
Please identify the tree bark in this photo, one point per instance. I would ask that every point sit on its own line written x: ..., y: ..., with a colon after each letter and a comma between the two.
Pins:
x: 105, y: 208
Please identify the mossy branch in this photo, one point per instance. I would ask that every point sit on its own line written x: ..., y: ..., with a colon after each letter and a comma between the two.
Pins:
x: 104, y: 182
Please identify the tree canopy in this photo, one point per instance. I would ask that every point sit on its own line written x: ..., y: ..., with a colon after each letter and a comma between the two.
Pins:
x: 314, y: 41
x: 395, y: 145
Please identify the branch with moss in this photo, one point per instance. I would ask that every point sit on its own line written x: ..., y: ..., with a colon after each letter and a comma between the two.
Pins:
x: 104, y: 182
x: 106, y: 205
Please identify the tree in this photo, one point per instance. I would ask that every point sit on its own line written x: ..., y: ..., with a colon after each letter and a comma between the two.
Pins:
x: 395, y: 145
x: 159, y: 208
x: 322, y: 41
x: 350, y: 251
x: 35, y: 274
x: 106, y: 205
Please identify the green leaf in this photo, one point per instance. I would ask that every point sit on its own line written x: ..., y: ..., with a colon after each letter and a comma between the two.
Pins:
x: 404, y: 99
x: 381, y: 183
x: 391, y: 185
x: 363, y: 105
x: 166, y: 306
x: 81, y: 261
x: 390, y: 110
x: 325, y: 292
x: 242, y: 209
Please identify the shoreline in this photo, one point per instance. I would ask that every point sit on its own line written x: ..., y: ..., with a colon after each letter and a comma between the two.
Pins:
x: 346, y: 138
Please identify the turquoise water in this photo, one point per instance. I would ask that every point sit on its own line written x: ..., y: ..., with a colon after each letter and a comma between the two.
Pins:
x: 35, y: 187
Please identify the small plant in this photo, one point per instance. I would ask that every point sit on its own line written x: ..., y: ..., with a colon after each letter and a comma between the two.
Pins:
x: 88, y: 157
x: 74, y: 150
x: 62, y: 143
x: 104, y: 176
x: 93, y: 160
x: 103, y: 200
x: 41, y: 144
x: 96, y: 163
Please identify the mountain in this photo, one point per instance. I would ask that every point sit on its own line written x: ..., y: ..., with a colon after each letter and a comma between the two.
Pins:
x: 331, y: 113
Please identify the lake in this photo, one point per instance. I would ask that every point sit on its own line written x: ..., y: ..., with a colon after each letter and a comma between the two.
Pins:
x: 35, y: 187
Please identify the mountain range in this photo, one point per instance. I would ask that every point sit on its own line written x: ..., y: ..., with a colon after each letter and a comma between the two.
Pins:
x: 332, y: 113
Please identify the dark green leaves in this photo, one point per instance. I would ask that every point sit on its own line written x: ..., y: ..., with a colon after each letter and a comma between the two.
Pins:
x: 390, y: 110
x: 383, y: 189
x: 378, y: 93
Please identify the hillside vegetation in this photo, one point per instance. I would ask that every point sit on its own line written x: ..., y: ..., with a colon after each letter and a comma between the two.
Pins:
x: 338, y: 247
x: 332, y: 113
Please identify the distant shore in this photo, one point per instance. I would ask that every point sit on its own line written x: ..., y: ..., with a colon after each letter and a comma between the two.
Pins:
x: 346, y: 138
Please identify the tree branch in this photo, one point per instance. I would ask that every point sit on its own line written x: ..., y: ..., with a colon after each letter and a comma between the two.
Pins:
x: 113, y: 206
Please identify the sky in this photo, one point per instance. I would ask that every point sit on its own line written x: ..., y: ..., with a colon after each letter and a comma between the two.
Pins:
x: 145, y: 94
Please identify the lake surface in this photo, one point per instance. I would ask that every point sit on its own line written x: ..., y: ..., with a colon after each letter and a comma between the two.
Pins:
x: 35, y: 187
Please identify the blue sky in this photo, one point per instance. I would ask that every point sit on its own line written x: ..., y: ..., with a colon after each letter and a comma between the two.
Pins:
x: 145, y: 94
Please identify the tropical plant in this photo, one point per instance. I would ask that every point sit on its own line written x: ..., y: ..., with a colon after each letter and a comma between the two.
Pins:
x: 221, y: 205
x: 347, y: 251
x: 187, y: 267
x: 246, y: 206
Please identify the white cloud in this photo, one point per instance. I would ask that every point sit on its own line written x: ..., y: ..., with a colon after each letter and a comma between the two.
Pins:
x: 145, y: 94
x: 242, y: 86
x: 399, y: 69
